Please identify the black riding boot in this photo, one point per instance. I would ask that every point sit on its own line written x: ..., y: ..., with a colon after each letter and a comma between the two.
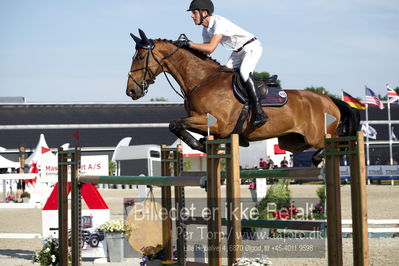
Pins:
x: 259, y: 117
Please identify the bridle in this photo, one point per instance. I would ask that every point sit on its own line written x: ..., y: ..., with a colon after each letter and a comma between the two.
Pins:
x: 152, y: 74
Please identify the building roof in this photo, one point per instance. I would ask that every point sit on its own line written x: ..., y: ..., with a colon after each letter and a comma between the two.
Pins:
x: 99, y: 124
x: 105, y: 124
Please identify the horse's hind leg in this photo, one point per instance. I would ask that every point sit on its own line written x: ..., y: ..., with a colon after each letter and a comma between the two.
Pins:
x: 179, y: 128
x: 318, y: 157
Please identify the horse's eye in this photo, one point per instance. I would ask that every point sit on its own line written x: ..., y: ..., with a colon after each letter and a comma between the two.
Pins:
x: 140, y: 57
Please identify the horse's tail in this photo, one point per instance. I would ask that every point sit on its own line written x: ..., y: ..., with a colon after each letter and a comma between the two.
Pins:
x: 350, y: 119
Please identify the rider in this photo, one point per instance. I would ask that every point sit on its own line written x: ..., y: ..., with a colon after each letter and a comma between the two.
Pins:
x: 246, y: 48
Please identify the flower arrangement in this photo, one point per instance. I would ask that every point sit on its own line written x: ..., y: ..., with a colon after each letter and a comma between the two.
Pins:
x: 319, y: 212
x: 253, y: 262
x: 25, y: 194
x: 252, y: 185
x: 151, y: 253
x: 49, y: 254
x: 114, y: 226
x: 10, y: 198
x: 288, y: 212
x: 128, y: 202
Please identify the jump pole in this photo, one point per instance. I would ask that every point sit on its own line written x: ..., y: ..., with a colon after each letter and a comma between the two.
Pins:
x: 232, y: 200
x: 335, y: 148
x: 70, y: 158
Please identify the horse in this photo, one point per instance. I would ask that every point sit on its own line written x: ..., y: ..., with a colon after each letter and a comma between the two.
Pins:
x: 207, y: 89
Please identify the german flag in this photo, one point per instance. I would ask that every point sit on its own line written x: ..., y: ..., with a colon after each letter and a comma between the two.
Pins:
x: 352, y: 101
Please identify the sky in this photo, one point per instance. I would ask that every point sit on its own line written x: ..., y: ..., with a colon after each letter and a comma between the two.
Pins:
x: 81, y: 51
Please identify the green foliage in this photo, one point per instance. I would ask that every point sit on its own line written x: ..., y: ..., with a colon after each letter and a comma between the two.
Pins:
x: 111, y: 168
x: 319, y: 211
x: 187, y: 164
x: 278, y: 193
x: 25, y: 194
x: 265, y: 75
x: 49, y: 254
x: 321, y: 193
x: 262, y: 74
x: 322, y: 90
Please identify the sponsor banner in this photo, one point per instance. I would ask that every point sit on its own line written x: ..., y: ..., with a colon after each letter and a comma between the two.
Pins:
x: 374, y: 170
x: 90, y: 165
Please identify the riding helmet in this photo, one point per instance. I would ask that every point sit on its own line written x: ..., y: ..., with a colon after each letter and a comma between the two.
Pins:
x: 202, y: 5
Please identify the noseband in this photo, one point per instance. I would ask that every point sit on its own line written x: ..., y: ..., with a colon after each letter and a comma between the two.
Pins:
x: 148, y: 72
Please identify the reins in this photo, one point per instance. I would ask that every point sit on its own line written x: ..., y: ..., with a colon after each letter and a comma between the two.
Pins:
x: 185, y: 96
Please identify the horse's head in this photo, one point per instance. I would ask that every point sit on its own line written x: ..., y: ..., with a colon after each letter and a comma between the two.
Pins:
x: 145, y: 67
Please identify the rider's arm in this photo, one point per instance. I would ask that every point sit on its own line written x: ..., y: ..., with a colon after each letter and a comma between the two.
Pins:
x: 210, y: 46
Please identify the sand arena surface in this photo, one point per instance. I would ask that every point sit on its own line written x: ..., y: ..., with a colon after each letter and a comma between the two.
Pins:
x: 382, y: 204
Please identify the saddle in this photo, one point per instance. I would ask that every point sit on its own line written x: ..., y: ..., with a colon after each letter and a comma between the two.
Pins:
x: 269, y: 91
x: 270, y: 95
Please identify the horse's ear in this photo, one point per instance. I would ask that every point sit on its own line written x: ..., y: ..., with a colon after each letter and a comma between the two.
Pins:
x: 143, y: 37
x: 136, y: 39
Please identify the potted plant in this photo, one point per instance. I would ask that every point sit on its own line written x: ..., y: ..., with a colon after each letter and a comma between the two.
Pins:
x: 49, y: 253
x: 252, y: 188
x: 128, y: 204
x: 25, y: 197
x: 10, y: 198
x: 152, y: 256
x: 115, y: 231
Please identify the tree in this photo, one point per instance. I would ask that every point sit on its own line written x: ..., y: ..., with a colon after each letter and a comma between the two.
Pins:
x: 322, y: 90
x: 265, y: 75
x: 385, y: 97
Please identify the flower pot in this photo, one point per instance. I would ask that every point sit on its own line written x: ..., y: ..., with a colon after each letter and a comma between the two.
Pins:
x: 154, y: 263
x: 25, y: 200
x: 254, y: 196
x: 115, y: 246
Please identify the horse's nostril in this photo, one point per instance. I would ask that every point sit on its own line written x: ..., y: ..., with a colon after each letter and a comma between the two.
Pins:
x: 130, y: 92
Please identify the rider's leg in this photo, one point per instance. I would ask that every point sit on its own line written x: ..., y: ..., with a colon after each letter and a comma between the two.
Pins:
x: 259, y: 117
x: 250, y: 57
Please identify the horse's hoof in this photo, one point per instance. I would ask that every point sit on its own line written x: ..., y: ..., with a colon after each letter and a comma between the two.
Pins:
x: 243, y: 141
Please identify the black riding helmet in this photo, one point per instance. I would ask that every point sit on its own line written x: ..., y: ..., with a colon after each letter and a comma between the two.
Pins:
x: 202, y: 5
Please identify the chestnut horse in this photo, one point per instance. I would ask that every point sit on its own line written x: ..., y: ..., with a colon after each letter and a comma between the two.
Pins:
x: 207, y: 88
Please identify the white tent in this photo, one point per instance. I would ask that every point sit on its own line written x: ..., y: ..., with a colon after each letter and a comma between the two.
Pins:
x: 42, y: 153
x: 5, y: 163
x: 36, y: 156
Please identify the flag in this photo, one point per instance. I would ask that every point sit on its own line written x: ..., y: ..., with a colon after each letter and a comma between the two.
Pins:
x: 44, y: 150
x: 369, y: 131
x: 352, y: 101
x: 373, y: 99
x: 393, y: 97
x: 393, y: 137
x: 76, y: 136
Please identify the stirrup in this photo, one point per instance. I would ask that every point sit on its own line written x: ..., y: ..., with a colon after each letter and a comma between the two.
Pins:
x: 259, y: 120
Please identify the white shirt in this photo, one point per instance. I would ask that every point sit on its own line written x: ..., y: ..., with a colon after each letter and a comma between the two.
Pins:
x: 233, y: 36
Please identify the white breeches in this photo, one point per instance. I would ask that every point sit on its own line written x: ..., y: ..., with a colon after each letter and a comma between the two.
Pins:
x: 246, y: 59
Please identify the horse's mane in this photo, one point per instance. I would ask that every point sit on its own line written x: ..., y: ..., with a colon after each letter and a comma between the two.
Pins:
x: 195, y: 52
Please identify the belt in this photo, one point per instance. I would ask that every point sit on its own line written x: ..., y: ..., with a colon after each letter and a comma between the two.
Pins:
x: 242, y: 47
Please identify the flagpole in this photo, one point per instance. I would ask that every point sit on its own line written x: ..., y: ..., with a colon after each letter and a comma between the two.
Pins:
x: 367, y: 136
x: 390, y: 134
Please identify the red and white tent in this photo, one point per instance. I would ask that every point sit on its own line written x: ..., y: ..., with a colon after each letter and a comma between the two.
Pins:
x: 97, y: 214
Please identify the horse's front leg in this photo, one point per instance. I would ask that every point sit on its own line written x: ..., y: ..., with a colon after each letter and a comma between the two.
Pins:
x: 197, y: 124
